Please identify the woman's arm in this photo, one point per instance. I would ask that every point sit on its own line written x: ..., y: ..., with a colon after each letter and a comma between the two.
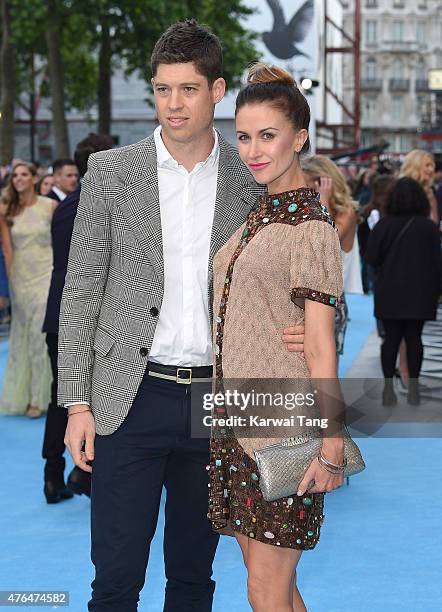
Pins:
x: 346, y: 224
x: 5, y: 234
x: 320, y: 355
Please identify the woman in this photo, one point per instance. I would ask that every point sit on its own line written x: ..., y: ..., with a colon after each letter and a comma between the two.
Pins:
x: 404, y: 249
x: 25, y: 228
x: 370, y: 215
x: 322, y: 174
x: 45, y: 184
x: 420, y: 166
x: 282, y: 265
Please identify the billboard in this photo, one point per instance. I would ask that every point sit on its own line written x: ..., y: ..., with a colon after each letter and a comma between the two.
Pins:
x: 286, y: 37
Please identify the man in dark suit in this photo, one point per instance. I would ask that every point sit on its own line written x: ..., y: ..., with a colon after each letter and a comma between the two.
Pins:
x: 65, y: 173
x: 56, y: 420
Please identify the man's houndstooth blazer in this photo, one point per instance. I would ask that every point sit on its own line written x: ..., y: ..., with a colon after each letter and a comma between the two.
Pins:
x: 115, y: 277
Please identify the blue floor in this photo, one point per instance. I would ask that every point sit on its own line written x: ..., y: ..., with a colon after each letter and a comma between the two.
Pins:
x: 380, y: 548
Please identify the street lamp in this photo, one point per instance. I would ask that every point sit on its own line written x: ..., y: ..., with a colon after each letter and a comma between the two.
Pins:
x: 307, y: 84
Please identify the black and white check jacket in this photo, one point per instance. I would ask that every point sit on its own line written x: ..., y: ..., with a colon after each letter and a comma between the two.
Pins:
x: 115, y: 277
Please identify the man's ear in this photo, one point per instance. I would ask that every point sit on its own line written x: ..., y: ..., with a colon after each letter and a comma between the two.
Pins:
x: 218, y: 90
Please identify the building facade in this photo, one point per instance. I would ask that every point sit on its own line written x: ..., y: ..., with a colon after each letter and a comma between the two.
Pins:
x: 401, y: 41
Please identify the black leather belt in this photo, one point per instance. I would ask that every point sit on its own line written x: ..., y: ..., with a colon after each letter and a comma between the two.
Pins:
x: 180, y: 375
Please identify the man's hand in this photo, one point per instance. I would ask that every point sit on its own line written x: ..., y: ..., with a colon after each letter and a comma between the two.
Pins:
x: 293, y: 337
x: 80, y: 434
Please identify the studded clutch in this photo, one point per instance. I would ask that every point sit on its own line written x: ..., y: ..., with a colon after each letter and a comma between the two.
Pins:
x: 282, y: 466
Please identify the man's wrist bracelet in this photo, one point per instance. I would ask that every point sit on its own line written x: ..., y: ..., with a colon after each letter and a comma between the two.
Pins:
x: 79, y: 412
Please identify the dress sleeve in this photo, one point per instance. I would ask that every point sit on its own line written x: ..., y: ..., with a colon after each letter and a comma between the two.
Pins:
x: 316, y: 264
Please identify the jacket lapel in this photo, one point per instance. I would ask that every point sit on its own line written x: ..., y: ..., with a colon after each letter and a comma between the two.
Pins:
x: 140, y: 204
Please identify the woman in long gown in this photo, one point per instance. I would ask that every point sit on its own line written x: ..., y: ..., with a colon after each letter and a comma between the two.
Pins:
x: 283, y: 264
x: 25, y: 226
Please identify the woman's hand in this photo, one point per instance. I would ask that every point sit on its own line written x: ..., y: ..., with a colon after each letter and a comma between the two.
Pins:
x: 325, y: 189
x: 324, y: 481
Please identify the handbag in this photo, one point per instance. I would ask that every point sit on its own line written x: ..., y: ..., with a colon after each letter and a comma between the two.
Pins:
x: 282, y: 466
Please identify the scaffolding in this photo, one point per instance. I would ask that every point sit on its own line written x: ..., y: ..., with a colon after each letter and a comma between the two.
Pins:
x: 345, y: 136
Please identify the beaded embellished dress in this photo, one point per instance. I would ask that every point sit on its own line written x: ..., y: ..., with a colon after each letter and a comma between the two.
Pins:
x: 287, y: 251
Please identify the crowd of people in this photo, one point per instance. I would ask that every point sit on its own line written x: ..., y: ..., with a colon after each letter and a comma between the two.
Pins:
x: 135, y: 271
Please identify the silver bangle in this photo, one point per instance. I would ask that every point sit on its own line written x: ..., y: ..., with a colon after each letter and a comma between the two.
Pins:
x: 333, y: 465
x: 328, y: 469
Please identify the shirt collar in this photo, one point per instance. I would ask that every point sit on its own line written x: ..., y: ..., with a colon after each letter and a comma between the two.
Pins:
x: 165, y: 159
x: 61, y: 194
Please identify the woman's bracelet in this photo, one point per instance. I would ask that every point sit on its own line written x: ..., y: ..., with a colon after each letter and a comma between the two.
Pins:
x: 331, y: 470
x: 79, y: 411
x: 336, y: 466
x: 327, y: 469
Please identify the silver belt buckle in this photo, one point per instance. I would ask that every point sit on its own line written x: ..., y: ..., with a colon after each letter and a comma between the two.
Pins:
x: 184, y: 381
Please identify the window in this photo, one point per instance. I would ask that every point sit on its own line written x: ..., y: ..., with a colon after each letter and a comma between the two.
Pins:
x: 370, y: 69
x: 397, y: 69
x: 421, y: 70
x: 405, y: 143
x: 396, y: 108
x: 370, y: 108
x: 371, y: 3
x: 371, y: 31
x: 397, y: 31
x: 421, y: 32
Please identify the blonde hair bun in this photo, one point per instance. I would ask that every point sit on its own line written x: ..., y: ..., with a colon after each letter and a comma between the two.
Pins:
x: 259, y: 72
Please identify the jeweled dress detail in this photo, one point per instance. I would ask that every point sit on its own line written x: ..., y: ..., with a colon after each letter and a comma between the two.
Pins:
x: 287, y: 251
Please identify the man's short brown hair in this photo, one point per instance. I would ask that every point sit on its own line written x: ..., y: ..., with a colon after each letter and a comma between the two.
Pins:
x: 188, y: 41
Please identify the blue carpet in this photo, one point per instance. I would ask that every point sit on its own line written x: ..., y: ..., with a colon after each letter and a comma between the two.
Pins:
x: 380, y: 548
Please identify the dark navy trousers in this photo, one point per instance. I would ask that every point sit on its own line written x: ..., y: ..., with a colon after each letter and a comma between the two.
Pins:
x: 151, y: 449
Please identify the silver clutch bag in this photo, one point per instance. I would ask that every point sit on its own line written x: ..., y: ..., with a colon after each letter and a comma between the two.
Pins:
x: 282, y: 466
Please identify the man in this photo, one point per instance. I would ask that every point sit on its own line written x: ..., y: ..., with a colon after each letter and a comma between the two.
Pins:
x: 65, y: 174
x: 61, y: 231
x: 135, y: 327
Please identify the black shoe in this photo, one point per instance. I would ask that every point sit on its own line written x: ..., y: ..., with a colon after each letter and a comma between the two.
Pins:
x: 55, y: 494
x: 388, y: 395
x: 414, y: 396
x: 80, y: 482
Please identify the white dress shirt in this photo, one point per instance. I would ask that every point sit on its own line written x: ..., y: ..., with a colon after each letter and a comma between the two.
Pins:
x: 61, y: 194
x: 187, y: 204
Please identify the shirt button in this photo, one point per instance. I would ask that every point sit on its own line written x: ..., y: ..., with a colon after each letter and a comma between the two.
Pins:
x: 154, y: 311
x: 144, y: 351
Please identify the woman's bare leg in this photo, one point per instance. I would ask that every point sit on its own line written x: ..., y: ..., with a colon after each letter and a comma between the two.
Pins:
x: 271, y: 577
x: 403, y: 363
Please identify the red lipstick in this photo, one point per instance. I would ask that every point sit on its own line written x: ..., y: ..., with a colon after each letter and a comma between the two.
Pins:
x: 258, y: 166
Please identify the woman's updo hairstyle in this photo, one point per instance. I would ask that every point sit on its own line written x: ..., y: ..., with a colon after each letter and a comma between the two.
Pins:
x: 278, y: 88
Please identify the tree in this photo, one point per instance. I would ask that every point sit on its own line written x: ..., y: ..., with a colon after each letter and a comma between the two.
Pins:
x: 74, y: 63
x: 128, y: 29
x: 56, y: 72
x: 8, y: 80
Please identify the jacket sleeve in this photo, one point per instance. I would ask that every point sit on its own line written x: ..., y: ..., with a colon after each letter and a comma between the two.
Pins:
x: 437, y: 256
x: 84, y: 288
x: 374, y: 254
